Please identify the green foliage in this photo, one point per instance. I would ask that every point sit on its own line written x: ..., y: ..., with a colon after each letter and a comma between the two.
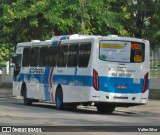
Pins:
x: 24, y: 20
x: 153, y: 29
x: 3, y: 55
x: 138, y: 15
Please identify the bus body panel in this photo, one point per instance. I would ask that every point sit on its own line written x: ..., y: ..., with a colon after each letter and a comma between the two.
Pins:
x: 119, y: 82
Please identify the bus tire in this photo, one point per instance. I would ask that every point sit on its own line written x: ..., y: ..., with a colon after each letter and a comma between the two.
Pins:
x: 26, y: 100
x: 105, y: 109
x: 59, y: 99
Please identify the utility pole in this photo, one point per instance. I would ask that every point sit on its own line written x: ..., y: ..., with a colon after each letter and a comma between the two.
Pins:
x: 83, y: 7
x: 9, y: 53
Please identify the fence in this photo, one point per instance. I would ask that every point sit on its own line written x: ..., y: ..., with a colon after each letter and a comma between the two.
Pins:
x: 155, y: 63
x: 6, y: 78
x: 155, y: 69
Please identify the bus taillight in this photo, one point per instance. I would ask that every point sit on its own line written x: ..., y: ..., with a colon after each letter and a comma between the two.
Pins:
x: 145, y: 83
x: 95, y: 80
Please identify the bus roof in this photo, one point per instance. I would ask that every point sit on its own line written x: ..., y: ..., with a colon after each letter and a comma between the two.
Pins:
x: 55, y: 40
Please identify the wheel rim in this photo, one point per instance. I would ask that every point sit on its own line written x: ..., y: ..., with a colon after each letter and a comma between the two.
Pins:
x: 59, y: 102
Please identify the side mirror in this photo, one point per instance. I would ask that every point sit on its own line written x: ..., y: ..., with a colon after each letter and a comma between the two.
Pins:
x: 14, y: 59
x: 17, y: 61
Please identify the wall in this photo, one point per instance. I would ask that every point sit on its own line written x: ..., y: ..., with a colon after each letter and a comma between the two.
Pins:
x: 5, y: 78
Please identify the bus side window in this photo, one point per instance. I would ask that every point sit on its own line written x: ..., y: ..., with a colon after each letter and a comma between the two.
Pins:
x: 73, y: 55
x: 62, y: 56
x: 43, y: 56
x: 26, y: 57
x: 34, y: 56
x: 84, y: 55
x: 52, y: 56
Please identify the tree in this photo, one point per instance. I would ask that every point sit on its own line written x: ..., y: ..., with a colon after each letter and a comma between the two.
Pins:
x: 24, y: 20
x: 153, y: 29
x: 138, y: 14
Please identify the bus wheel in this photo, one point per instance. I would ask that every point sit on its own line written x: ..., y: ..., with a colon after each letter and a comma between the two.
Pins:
x: 59, y: 99
x: 105, y: 108
x: 26, y: 100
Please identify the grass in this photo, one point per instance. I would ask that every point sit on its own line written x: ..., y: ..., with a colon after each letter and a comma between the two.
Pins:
x: 154, y: 94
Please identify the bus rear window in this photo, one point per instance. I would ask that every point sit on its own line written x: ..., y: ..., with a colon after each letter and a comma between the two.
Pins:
x: 121, y: 51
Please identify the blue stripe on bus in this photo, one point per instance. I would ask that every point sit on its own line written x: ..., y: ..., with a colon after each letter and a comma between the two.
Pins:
x: 55, y: 42
x: 107, y: 84
x: 126, y: 85
x: 64, y: 37
x: 44, y: 79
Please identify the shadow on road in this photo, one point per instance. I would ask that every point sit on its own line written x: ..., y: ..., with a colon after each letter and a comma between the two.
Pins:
x: 83, y: 109
x: 151, y: 109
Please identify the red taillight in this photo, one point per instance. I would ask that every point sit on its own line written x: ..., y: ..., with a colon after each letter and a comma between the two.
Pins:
x: 145, y: 83
x: 95, y: 80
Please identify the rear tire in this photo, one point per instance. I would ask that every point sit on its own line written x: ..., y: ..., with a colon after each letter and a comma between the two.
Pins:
x: 26, y: 100
x: 102, y: 108
x: 59, y: 99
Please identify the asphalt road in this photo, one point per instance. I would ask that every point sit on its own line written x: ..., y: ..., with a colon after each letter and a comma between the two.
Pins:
x: 14, y: 113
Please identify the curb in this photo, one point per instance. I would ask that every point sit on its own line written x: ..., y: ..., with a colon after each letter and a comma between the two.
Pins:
x: 11, y: 97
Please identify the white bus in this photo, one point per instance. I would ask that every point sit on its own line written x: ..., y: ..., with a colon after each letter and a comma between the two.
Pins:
x: 71, y: 70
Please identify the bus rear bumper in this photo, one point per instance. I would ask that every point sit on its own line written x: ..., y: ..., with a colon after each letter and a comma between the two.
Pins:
x: 121, y: 98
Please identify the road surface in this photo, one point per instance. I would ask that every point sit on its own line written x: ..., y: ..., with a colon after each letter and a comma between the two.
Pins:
x: 14, y: 113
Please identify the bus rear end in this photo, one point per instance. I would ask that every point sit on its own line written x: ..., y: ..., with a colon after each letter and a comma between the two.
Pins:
x: 121, y: 72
